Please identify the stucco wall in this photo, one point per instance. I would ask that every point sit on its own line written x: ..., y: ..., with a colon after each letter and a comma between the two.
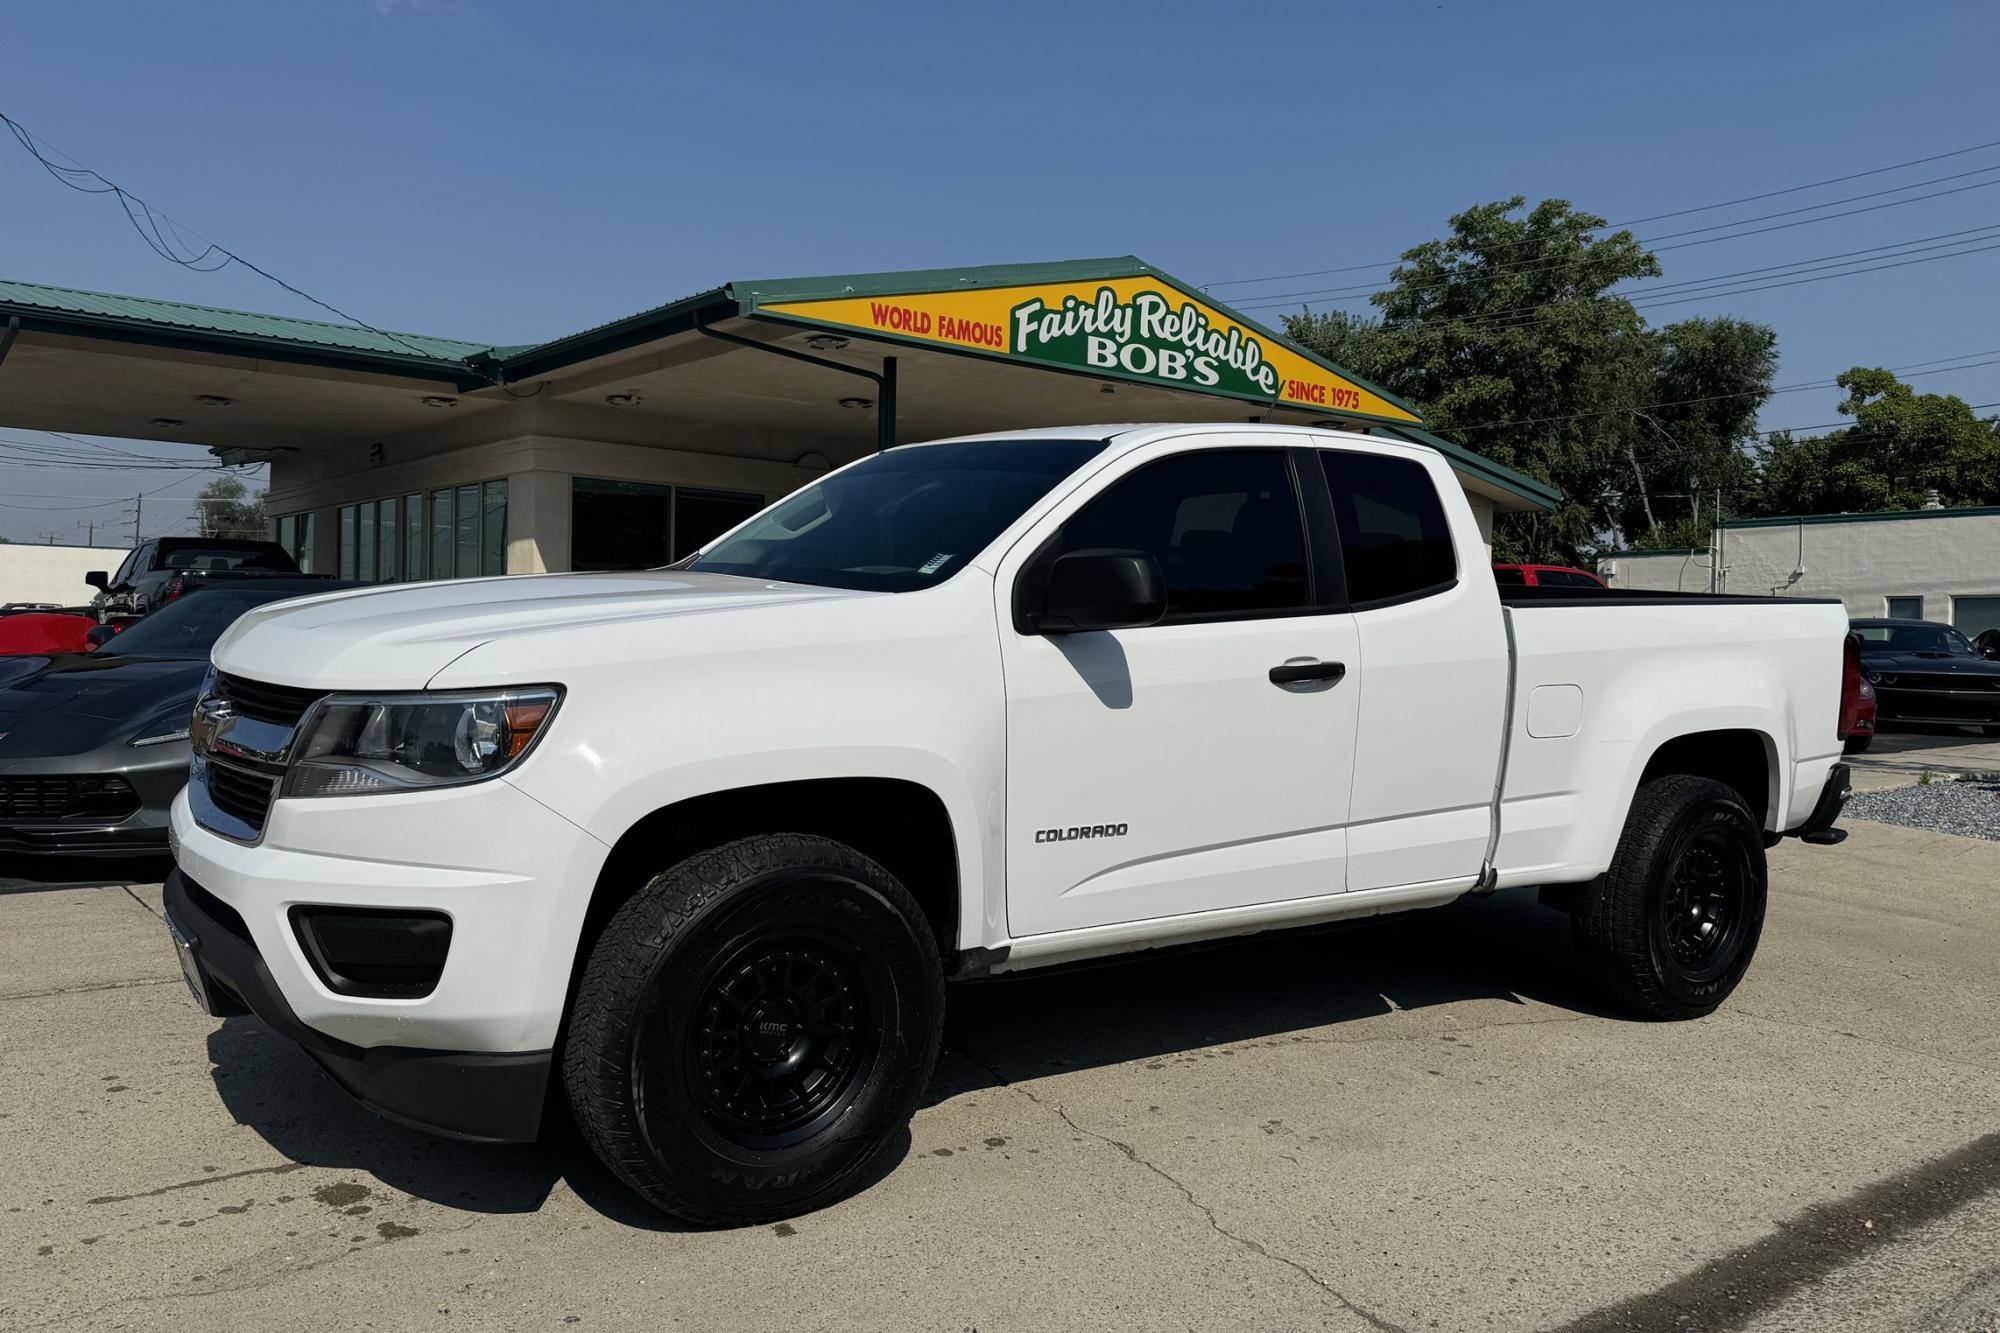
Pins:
x: 1940, y: 555
x: 53, y: 573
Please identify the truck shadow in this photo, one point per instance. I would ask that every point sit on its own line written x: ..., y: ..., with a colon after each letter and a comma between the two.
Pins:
x: 1144, y: 1007
x: 1503, y: 949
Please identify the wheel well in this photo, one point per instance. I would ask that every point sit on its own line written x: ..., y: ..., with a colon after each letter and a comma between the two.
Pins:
x: 902, y: 825
x: 1739, y: 759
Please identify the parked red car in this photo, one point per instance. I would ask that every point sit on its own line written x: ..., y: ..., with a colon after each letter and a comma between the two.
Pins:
x: 44, y: 632
x: 1546, y: 576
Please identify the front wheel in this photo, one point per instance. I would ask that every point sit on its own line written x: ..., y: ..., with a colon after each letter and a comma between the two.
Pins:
x: 1671, y: 927
x: 1856, y: 744
x: 754, y: 1028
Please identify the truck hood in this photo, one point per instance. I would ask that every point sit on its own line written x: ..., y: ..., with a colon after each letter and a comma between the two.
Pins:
x: 398, y: 637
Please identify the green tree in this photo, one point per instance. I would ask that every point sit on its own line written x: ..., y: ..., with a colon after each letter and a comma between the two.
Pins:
x: 226, y: 512
x: 1698, y: 420
x: 1512, y: 338
x: 1902, y: 447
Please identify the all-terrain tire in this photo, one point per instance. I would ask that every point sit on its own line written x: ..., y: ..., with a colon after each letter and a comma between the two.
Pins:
x: 1671, y: 927
x: 754, y: 1029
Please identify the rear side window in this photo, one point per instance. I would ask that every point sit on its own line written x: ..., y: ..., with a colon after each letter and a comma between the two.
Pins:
x: 1224, y: 527
x: 1393, y: 539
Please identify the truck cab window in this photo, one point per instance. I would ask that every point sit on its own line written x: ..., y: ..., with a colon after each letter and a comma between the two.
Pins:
x: 1223, y: 525
x: 1393, y: 539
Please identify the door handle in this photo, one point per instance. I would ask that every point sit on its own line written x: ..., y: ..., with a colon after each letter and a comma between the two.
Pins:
x: 1306, y: 671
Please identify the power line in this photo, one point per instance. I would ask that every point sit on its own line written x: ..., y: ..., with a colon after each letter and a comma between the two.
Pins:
x: 1801, y: 387
x: 1365, y: 290
x: 1657, y: 217
x: 1526, y: 315
x: 148, y: 222
x: 1535, y: 265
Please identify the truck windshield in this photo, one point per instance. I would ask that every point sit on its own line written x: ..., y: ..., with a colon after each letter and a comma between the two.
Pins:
x: 905, y: 519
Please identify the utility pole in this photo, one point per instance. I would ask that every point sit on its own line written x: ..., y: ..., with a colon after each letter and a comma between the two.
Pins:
x: 1715, y: 543
x: 138, y: 508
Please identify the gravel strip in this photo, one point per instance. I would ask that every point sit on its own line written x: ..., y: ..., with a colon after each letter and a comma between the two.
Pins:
x: 1969, y: 809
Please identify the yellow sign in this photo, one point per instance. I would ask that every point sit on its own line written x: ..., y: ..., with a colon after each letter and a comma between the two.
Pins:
x: 1138, y: 328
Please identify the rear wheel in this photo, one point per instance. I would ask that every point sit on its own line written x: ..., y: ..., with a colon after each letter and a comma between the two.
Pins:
x: 754, y: 1028
x: 1671, y: 927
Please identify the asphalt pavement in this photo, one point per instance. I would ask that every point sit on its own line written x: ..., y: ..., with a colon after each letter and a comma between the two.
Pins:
x: 1413, y: 1124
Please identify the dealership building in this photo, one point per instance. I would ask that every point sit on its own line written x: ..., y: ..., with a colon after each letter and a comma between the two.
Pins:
x: 1923, y: 564
x: 404, y: 456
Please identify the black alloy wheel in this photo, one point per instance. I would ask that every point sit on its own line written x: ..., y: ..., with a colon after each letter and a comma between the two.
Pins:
x: 1669, y: 930
x: 754, y: 1028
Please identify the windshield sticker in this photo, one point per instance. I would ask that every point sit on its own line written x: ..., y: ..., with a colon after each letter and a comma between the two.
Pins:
x: 935, y: 563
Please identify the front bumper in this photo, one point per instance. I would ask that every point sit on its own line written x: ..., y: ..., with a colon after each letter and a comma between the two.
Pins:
x: 489, y: 1097
x: 1951, y: 708
x: 469, y: 1057
x: 143, y: 832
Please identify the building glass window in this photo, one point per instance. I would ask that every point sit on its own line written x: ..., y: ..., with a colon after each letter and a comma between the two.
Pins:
x: 1905, y: 608
x: 465, y: 516
x: 642, y: 525
x: 381, y: 541
x: 413, y: 537
x: 386, y: 541
x: 493, y: 529
x: 440, y: 534
x: 364, y: 542
x: 347, y: 541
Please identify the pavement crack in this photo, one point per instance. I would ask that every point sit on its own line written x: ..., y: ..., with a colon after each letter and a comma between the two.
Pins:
x: 1741, y: 1012
x: 141, y: 901
x: 85, y: 990
x: 1137, y: 1158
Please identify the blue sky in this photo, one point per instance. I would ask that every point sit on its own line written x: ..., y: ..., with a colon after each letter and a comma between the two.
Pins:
x: 512, y: 171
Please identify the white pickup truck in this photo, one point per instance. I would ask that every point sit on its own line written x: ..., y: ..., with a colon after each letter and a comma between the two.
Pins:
x: 704, y: 844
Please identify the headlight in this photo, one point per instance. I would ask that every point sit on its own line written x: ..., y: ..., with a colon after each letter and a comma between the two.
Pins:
x: 359, y: 746
x: 169, y: 724
x: 1874, y: 677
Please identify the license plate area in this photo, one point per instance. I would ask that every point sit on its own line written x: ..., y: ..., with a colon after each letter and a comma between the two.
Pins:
x: 197, y: 984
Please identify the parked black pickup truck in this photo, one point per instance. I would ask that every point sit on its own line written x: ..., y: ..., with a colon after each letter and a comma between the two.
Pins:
x: 149, y: 578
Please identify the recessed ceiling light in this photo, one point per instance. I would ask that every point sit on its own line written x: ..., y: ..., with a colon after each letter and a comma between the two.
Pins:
x: 857, y: 403
x: 168, y: 423
x: 826, y: 342
x: 213, y: 400
x: 623, y: 399
x: 439, y: 400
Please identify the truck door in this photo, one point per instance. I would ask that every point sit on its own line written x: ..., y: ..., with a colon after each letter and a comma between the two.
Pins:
x: 1433, y: 667
x: 1162, y: 770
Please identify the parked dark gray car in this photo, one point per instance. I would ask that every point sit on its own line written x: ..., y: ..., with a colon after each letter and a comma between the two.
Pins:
x: 93, y: 746
x: 1926, y: 672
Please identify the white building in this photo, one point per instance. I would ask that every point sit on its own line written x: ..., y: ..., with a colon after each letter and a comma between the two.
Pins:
x: 35, y: 573
x: 1925, y: 564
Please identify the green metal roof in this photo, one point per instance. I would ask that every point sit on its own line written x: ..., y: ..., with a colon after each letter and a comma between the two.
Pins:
x: 474, y: 364
x: 1886, y: 516
x: 32, y: 296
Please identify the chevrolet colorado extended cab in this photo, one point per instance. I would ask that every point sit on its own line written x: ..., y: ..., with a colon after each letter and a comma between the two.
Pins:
x: 700, y: 846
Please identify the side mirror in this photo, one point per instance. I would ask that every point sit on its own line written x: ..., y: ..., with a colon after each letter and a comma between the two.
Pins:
x: 99, y: 635
x: 98, y: 579
x: 1101, y: 589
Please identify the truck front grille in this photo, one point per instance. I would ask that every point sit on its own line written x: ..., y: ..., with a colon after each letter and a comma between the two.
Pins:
x: 240, y: 791
x: 280, y: 705
x: 106, y: 799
